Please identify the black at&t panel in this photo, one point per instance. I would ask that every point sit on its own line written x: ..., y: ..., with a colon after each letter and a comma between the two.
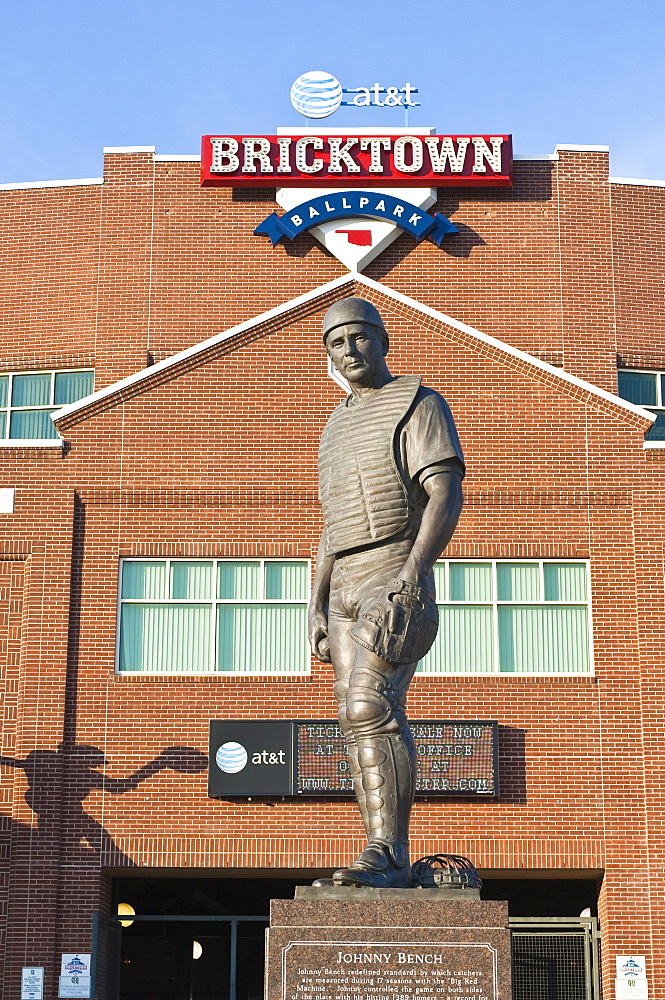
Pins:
x: 454, y: 758
x: 250, y: 758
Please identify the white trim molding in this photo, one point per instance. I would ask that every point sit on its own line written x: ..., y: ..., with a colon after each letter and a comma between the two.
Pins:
x: 353, y: 277
x: 572, y: 147
x: 543, y: 156
x: 75, y: 182
x: 364, y: 130
x: 32, y: 443
x: 637, y: 180
x: 7, y: 499
x: 109, y: 150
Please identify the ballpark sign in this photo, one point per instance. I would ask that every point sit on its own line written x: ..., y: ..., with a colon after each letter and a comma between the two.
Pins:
x: 356, y: 204
x: 356, y: 161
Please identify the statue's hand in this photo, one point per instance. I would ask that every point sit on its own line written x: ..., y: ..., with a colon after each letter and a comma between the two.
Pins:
x: 410, y: 574
x: 318, y: 635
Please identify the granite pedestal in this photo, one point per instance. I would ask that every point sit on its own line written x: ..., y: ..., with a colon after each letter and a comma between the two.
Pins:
x: 399, y: 944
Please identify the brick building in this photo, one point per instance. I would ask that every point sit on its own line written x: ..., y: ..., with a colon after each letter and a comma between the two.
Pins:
x: 194, y: 461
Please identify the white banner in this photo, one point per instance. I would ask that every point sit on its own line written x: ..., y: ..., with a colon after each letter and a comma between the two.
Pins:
x: 32, y: 983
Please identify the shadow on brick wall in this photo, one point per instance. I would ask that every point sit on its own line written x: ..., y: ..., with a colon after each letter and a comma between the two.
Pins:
x: 64, y: 817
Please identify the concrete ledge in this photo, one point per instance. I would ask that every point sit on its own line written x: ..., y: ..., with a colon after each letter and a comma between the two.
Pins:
x: 106, y: 150
x: 32, y: 443
x: 349, y: 893
x: 543, y: 156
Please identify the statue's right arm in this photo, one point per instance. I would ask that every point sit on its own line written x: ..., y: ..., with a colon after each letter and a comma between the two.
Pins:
x: 317, y: 622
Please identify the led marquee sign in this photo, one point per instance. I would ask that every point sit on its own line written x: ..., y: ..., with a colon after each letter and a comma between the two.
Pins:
x: 454, y: 758
x: 310, y: 758
x: 356, y: 161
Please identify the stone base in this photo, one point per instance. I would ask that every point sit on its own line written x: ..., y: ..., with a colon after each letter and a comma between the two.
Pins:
x: 346, y: 893
x: 400, y: 944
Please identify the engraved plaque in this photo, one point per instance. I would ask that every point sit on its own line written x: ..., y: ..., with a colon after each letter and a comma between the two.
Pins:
x: 391, y: 970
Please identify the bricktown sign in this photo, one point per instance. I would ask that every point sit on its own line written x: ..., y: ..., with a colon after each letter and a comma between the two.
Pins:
x: 380, y: 185
x: 355, y: 160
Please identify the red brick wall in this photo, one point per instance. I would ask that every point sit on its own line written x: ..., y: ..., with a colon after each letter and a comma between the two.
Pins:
x: 639, y: 264
x: 48, y: 278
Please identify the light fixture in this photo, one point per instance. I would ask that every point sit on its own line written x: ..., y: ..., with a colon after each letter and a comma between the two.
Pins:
x: 197, y: 949
x: 126, y: 909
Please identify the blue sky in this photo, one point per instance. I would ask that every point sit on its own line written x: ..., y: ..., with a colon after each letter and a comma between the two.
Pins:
x: 77, y: 76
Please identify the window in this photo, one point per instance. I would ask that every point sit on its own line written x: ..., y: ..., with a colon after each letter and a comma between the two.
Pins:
x: 646, y: 388
x: 214, y: 616
x: 511, y: 617
x: 28, y: 398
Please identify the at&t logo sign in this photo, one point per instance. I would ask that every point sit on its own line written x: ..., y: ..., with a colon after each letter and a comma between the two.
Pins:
x: 317, y: 94
x: 250, y: 758
x: 233, y: 757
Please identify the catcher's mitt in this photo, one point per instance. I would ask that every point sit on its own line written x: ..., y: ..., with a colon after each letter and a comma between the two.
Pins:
x: 401, y: 625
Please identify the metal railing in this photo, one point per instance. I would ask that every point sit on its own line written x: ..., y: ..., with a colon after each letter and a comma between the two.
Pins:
x: 555, y: 958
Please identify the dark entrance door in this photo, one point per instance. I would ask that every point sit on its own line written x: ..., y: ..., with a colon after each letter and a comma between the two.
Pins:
x: 195, y: 939
x: 185, y: 958
x: 106, y: 945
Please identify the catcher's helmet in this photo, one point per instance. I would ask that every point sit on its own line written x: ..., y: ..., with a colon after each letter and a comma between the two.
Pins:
x: 352, y: 310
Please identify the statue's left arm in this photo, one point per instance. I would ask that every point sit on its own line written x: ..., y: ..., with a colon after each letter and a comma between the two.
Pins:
x: 440, y: 518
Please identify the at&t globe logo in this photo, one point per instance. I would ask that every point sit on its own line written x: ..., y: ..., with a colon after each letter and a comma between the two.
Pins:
x: 231, y: 757
x: 316, y: 94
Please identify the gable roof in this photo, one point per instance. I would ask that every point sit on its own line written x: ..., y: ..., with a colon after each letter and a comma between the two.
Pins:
x: 324, y: 295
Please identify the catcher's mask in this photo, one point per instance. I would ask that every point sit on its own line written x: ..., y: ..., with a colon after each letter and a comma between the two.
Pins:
x: 445, y: 870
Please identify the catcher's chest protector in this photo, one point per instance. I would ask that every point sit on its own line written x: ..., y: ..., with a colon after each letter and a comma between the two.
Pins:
x: 364, y: 498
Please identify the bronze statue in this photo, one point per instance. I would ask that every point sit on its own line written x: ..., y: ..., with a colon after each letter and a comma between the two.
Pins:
x: 390, y: 473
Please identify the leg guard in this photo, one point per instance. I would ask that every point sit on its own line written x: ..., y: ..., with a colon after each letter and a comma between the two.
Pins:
x: 388, y: 779
x: 387, y: 762
x: 341, y: 690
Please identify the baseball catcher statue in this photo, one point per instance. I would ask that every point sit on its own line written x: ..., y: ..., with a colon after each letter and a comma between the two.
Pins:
x: 390, y: 473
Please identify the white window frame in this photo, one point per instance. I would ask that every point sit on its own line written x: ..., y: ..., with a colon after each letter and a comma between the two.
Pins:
x: 8, y: 409
x: 495, y: 604
x: 214, y: 601
x: 659, y: 406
